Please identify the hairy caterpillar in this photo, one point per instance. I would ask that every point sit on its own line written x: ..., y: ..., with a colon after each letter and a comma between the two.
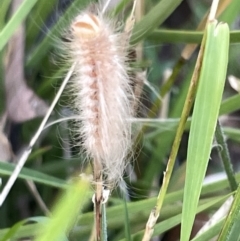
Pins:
x: 102, y: 92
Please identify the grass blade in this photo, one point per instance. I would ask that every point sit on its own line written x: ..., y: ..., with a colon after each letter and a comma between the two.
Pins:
x: 184, y: 36
x: 210, y: 233
x: 225, y: 157
x: 29, y: 174
x: 231, y: 227
x: 152, y: 20
x: 15, y: 21
x: 14, y: 229
x: 171, y: 222
x: 204, y: 119
x: 65, y: 212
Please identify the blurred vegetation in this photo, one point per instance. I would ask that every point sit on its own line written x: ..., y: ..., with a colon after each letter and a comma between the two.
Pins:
x: 165, y: 28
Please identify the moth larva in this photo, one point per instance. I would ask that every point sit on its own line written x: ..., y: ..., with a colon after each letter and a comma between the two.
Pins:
x: 102, y: 91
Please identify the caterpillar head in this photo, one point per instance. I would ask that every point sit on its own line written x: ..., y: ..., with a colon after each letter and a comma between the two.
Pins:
x: 86, y: 26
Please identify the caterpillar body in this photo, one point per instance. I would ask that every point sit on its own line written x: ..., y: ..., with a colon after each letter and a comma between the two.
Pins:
x: 102, y: 91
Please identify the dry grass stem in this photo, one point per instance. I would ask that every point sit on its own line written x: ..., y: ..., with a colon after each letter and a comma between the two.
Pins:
x: 28, y: 150
x: 153, y: 217
x: 98, y: 198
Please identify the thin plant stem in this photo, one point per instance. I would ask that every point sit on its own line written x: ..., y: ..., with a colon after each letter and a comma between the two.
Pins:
x: 225, y: 157
x: 213, y: 10
x: 33, y: 189
x: 167, y: 175
x: 28, y: 150
x: 106, y: 6
x: 98, y: 198
x: 104, y: 223
x: 166, y: 87
x: 127, y: 225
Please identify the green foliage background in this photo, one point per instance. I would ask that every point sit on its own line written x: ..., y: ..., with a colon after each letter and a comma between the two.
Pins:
x: 165, y: 28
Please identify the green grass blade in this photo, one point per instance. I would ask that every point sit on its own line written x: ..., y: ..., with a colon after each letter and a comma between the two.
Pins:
x: 231, y: 226
x: 175, y: 36
x: 204, y: 119
x: 232, y: 133
x: 184, y: 36
x: 15, y: 21
x: 171, y: 222
x: 210, y: 233
x: 202, y: 206
x: 14, y: 229
x: 231, y: 12
x: 65, y: 212
x: 229, y: 105
x: 29, y: 174
x: 137, y: 211
x: 4, y: 5
x: 225, y: 157
x: 153, y: 19
x: 127, y: 224
x: 104, y: 224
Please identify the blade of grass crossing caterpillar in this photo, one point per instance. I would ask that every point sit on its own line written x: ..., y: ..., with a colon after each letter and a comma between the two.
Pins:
x: 231, y: 226
x: 204, y: 118
x: 66, y: 211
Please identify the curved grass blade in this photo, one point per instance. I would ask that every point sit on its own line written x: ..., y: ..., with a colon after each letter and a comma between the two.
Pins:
x: 14, y: 229
x: 204, y: 119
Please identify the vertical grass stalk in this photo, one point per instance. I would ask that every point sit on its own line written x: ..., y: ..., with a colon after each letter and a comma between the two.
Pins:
x: 225, y: 157
x: 167, y: 175
x: 204, y: 119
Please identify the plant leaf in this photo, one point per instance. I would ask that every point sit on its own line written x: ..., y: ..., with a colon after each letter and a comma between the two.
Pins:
x: 204, y: 119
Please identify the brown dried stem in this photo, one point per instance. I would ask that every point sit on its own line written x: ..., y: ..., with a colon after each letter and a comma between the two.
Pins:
x: 98, y: 198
